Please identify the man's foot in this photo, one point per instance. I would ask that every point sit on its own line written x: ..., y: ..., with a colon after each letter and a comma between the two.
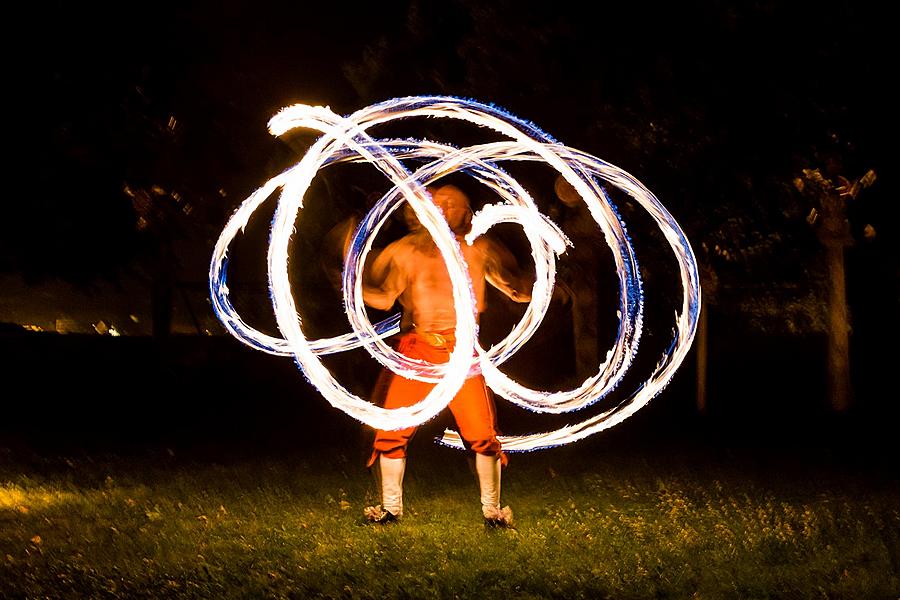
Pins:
x: 498, y: 518
x: 378, y: 516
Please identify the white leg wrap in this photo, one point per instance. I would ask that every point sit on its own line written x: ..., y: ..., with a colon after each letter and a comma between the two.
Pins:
x: 488, y: 469
x: 392, y: 470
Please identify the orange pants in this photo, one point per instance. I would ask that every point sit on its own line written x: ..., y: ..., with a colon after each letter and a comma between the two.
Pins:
x: 472, y: 407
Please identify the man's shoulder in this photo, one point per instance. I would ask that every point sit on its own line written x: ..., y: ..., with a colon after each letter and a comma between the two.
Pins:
x: 488, y: 245
x: 403, y: 248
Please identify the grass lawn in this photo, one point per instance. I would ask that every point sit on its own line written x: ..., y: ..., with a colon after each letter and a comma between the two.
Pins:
x: 662, y: 523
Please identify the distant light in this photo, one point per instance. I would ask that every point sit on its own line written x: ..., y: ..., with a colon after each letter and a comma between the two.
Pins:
x: 24, y: 499
x: 114, y: 332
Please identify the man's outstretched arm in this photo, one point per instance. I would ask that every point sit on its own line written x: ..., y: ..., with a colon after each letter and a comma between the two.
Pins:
x: 383, y: 278
x: 503, y: 272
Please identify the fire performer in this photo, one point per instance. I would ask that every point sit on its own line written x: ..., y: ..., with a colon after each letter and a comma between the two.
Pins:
x: 412, y: 271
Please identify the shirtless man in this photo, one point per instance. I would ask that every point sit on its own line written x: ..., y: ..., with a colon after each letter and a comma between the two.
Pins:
x: 412, y: 272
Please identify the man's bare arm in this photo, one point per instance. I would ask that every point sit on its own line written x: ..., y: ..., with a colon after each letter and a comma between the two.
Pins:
x: 382, y: 281
x: 384, y: 278
x: 503, y: 272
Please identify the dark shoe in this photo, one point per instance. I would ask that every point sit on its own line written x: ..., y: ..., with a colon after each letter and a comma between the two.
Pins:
x: 378, y: 516
x: 499, y: 518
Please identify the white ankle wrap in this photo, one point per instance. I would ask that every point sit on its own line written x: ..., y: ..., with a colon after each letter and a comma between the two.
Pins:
x: 488, y: 469
x: 392, y: 470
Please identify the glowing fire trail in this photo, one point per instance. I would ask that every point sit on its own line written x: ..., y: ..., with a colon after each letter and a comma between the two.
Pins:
x: 345, y: 139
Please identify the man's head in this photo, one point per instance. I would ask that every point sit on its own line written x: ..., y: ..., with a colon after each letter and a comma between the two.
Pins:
x: 454, y: 203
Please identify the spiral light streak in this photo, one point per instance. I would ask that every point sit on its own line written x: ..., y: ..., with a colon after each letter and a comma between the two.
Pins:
x: 346, y: 139
x: 337, y: 133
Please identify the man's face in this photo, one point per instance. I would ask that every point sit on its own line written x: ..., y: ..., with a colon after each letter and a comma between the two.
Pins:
x: 455, y: 206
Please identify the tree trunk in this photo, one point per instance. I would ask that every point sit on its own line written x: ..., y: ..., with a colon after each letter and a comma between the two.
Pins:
x: 161, y: 307
x: 701, y: 344
x: 839, y: 392
x: 162, y: 288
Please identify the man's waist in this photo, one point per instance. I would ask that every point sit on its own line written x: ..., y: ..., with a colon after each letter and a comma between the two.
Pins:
x: 436, y: 338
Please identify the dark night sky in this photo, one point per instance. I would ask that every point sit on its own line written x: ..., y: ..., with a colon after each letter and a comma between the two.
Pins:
x: 715, y: 107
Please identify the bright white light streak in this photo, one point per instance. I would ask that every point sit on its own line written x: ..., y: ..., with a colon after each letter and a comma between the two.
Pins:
x: 339, y: 132
x: 345, y: 140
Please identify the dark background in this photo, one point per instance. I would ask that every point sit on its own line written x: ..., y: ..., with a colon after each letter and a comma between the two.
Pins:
x: 138, y: 130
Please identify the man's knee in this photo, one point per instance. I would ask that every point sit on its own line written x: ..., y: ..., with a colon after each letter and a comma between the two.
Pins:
x: 488, y: 447
x: 397, y: 452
